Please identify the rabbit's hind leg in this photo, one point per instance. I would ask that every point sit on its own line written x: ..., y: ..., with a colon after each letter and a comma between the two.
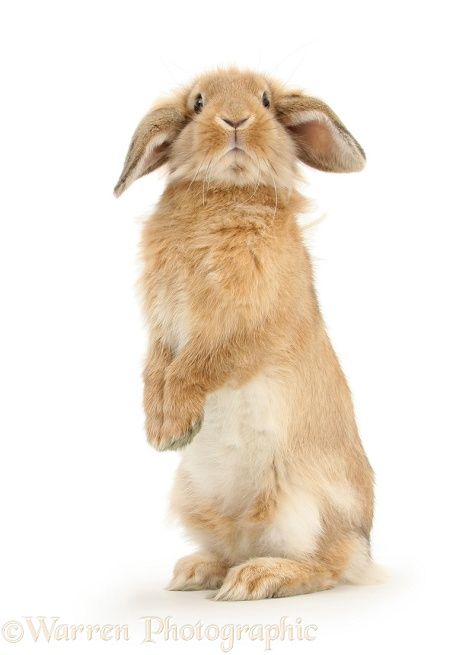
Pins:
x: 273, y: 577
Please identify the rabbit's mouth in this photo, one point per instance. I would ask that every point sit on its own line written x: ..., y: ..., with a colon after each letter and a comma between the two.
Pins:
x: 235, y: 158
x: 236, y: 150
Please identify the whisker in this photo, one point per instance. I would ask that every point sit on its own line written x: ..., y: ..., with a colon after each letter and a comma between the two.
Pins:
x: 258, y: 180
x: 268, y: 162
x: 207, y: 177
x: 210, y: 168
x: 203, y: 182
x: 195, y: 175
x: 269, y: 167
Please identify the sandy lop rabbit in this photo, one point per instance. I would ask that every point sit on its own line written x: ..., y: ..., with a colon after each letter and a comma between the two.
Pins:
x: 273, y: 484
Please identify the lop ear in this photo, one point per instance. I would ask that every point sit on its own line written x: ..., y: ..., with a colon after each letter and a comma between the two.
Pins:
x: 150, y: 144
x: 322, y: 140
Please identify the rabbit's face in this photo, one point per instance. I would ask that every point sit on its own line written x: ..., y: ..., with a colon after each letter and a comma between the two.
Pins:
x: 232, y: 134
x: 239, y: 128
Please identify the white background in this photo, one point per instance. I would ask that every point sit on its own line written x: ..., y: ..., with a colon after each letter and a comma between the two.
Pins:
x: 83, y: 498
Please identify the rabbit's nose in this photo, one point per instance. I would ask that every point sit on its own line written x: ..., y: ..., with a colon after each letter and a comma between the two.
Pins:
x: 235, y: 124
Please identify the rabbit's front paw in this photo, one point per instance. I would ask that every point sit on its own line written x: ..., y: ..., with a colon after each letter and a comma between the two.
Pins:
x: 182, y: 415
x: 153, y: 424
x: 153, y: 403
x: 178, y: 432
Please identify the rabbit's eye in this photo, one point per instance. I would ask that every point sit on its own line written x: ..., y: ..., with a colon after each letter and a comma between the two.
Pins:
x: 199, y: 103
x: 265, y: 99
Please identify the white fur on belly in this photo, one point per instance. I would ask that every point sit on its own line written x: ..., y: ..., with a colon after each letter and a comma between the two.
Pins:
x: 233, y: 454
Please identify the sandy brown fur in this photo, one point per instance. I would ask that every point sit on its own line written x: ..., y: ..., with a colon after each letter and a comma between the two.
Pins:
x: 228, y: 295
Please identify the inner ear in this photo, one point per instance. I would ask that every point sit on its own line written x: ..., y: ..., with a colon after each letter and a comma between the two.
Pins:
x: 325, y: 143
x: 315, y: 141
x: 154, y: 157
x: 322, y: 140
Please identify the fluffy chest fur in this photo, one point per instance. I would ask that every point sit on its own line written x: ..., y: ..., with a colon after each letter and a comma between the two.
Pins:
x: 218, y: 267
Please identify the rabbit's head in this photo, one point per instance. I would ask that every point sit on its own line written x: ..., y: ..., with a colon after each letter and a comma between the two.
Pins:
x: 239, y: 128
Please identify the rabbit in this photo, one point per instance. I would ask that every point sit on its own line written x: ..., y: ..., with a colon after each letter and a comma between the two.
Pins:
x: 273, y: 484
